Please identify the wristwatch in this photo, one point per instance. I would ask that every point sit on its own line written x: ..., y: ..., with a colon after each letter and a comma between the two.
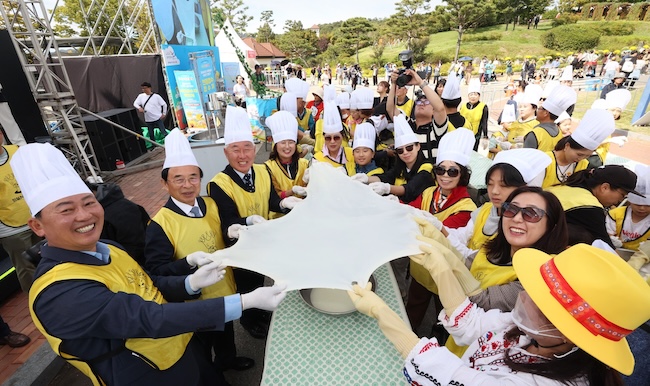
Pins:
x: 424, y: 84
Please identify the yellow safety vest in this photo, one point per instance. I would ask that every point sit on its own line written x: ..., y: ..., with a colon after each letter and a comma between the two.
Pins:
x: 190, y: 234
x: 619, y: 215
x: 602, y: 150
x: 281, y: 180
x: 520, y: 129
x: 375, y: 172
x: 472, y: 116
x: 478, y: 237
x: 551, y: 177
x: 14, y: 212
x: 574, y: 198
x: 544, y: 140
x: 406, y: 108
x: 350, y: 166
x: 121, y: 274
x: 248, y: 203
x: 401, y: 180
x: 303, y: 124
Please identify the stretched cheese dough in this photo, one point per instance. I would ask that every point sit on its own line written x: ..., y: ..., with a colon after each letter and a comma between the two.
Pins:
x: 341, y: 233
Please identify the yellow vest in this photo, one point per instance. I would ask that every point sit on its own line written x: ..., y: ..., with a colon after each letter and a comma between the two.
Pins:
x: 320, y: 138
x: 248, y: 203
x: 401, y: 180
x: 14, y: 212
x: 350, y: 166
x: 520, y: 129
x: 574, y: 198
x: 121, y: 274
x: 190, y: 234
x: 602, y: 150
x: 544, y: 140
x: 497, y: 135
x: 406, y: 108
x: 619, y: 215
x: 280, y: 178
x: 478, y: 237
x: 303, y: 124
x: 375, y: 172
x: 472, y: 116
x: 551, y: 177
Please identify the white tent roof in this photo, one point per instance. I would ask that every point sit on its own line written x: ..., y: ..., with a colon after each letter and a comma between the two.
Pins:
x: 227, y: 51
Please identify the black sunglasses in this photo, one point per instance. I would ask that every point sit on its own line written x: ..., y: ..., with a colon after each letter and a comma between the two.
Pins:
x: 451, y: 172
x: 400, y: 150
x: 332, y: 137
x: 529, y: 213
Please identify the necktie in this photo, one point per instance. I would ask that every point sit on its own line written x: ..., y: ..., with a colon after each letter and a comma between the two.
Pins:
x: 196, y: 212
x: 247, y: 180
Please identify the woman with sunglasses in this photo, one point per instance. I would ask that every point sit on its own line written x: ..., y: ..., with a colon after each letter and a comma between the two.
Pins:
x: 571, y: 152
x: 332, y: 151
x: 544, y: 341
x: 410, y: 175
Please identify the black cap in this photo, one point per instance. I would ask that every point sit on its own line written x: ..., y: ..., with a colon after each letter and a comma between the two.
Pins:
x: 145, y: 84
x: 617, y: 176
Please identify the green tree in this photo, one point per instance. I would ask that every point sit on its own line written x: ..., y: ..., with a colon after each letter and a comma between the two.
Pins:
x: 235, y: 10
x: 410, y: 21
x: 378, y: 52
x: 298, y: 43
x: 466, y: 14
x: 265, y: 32
x: 354, y: 34
x: 511, y: 10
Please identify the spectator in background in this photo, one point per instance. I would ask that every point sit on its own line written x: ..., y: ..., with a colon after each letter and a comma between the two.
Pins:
x: 154, y: 108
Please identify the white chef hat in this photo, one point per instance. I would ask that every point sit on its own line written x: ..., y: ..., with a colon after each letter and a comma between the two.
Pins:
x: 354, y: 101
x: 567, y: 73
x: 642, y: 186
x: 343, y: 100
x: 289, y: 103
x: 365, y: 98
x: 298, y: 87
x: 452, y: 87
x: 563, y: 117
x: 331, y: 118
x: 283, y: 126
x: 618, y: 99
x: 532, y: 94
x: 456, y: 146
x: 178, y: 151
x: 599, y: 104
x: 508, y: 114
x: 531, y: 163
x: 474, y: 86
x: 380, y: 123
x: 596, y: 125
x: 364, y: 136
x: 44, y: 175
x: 238, y: 126
x: 550, y: 86
x: 560, y: 99
x: 329, y: 93
x: 403, y: 132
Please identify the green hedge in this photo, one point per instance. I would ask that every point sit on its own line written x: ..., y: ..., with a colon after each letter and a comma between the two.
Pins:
x: 565, y: 19
x: 486, y: 36
x: 615, y: 29
x: 570, y: 38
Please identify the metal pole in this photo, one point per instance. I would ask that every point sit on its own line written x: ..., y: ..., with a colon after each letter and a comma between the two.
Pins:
x: 119, y: 126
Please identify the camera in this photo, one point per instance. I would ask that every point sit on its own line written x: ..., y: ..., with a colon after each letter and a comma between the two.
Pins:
x: 406, y: 57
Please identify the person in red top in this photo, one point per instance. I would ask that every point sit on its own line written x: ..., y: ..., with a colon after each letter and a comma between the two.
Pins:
x: 316, y: 105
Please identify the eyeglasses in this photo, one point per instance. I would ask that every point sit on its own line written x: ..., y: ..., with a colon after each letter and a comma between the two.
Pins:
x: 421, y: 102
x: 332, y: 138
x: 401, y: 150
x: 529, y: 213
x: 451, y: 172
x: 181, y: 181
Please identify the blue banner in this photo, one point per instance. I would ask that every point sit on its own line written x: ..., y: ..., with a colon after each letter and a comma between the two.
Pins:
x: 191, y: 99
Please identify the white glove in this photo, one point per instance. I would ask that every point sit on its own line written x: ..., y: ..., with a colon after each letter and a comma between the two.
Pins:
x: 309, y: 148
x: 305, y: 176
x: 620, y: 140
x: 299, y: 191
x: 519, y: 139
x: 264, y: 298
x: 255, y: 219
x: 392, y: 197
x: 198, y: 258
x: 207, y: 275
x: 430, y: 218
x: 360, y: 177
x: 616, y: 241
x: 234, y: 229
x: 290, y: 202
x: 484, y: 143
x: 381, y: 188
x: 505, y: 145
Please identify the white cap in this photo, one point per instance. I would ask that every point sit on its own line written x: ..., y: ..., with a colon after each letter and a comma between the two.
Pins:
x: 331, y: 118
x: 364, y: 136
x: 530, y: 163
x: 365, y: 98
x: 618, y: 99
x: 318, y: 92
x: 178, y: 151
x: 508, y: 114
x: 474, y: 86
x: 343, y: 100
x: 560, y: 99
x: 329, y: 93
x: 596, y: 125
x: 283, y: 126
x: 298, y: 87
x: 238, y: 126
x: 44, y: 175
x: 452, y: 87
x: 354, y: 101
x: 563, y: 117
x: 403, y: 132
x: 600, y: 104
x: 550, y: 86
x: 532, y: 94
x: 642, y: 186
x: 289, y: 103
x: 456, y: 146
x: 567, y: 73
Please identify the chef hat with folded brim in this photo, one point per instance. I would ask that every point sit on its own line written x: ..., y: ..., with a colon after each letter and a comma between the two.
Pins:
x: 567, y: 73
x: 452, y: 87
x: 596, y: 125
x: 329, y: 93
x: 45, y: 175
x: 289, y: 103
x: 456, y: 146
x: 530, y: 163
x: 238, y: 126
x: 642, y: 186
x: 532, y: 94
x: 353, y: 101
x: 474, y: 86
x: 618, y: 99
x: 560, y: 99
x: 283, y: 126
x: 331, y: 118
x: 343, y: 100
x: 364, y: 136
x: 509, y: 115
x: 550, y: 86
x: 403, y: 132
x: 365, y: 98
x: 178, y: 151
x: 298, y: 87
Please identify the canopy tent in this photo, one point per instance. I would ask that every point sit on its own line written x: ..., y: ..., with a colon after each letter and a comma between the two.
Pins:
x: 227, y: 51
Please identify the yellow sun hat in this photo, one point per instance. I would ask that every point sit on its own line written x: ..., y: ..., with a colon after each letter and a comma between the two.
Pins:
x: 592, y: 296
